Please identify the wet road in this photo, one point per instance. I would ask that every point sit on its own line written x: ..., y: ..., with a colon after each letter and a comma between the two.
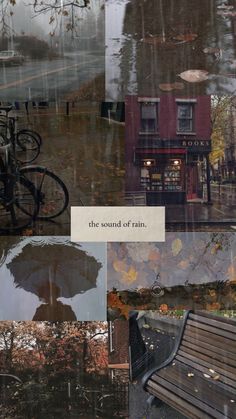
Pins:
x: 49, y: 80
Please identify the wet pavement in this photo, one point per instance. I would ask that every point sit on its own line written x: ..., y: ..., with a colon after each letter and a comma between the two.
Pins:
x: 216, y: 215
x: 152, y: 44
x: 86, y: 152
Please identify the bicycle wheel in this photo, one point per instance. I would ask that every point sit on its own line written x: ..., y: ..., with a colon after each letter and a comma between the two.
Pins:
x: 52, y: 193
x: 31, y: 132
x: 27, y: 147
x: 18, y: 203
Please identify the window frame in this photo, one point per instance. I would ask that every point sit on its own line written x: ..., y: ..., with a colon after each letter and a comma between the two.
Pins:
x: 154, y: 103
x: 191, y: 118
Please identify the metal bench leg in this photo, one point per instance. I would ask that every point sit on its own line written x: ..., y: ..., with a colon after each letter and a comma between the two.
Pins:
x: 153, y: 401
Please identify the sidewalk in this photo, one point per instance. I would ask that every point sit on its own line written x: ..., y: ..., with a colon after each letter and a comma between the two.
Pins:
x: 195, y: 213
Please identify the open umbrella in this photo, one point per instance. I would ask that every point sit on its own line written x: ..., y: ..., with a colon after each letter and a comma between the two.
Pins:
x: 48, y: 264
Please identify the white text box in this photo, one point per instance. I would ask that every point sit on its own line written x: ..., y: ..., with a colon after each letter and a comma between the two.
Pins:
x: 118, y: 224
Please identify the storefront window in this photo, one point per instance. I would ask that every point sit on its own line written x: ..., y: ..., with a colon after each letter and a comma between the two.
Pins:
x: 185, y: 117
x: 163, y: 177
x: 149, y: 121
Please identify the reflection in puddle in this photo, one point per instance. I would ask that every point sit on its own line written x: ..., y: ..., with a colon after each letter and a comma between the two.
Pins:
x: 52, y: 270
x: 153, y: 42
x: 189, y: 270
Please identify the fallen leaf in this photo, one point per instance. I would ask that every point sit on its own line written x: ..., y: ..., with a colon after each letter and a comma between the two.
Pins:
x: 212, y: 50
x: 185, y: 37
x: 194, y: 76
x: 166, y: 87
x: 163, y: 307
x: 213, y: 306
x: 184, y: 264
x: 178, y: 85
x: 176, y: 246
x: 130, y: 276
x: 119, y: 265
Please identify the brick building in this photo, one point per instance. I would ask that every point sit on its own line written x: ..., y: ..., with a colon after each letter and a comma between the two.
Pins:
x: 118, y: 358
x: 167, y: 148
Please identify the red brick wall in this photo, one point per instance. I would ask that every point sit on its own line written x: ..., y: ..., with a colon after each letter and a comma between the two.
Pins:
x: 120, y: 342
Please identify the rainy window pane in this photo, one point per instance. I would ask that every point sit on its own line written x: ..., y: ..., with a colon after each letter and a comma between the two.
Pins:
x: 149, y: 117
x: 185, y: 118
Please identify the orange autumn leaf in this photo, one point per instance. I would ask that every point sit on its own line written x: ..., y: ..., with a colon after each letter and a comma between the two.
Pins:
x: 154, y: 255
x: 163, y: 307
x: 119, y: 265
x: 113, y: 301
x: 213, y: 306
x: 184, y: 264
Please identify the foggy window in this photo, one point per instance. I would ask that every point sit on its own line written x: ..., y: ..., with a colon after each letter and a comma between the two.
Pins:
x: 149, y: 121
x: 185, y: 117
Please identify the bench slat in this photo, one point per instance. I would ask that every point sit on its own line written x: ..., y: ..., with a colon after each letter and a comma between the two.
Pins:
x: 206, y: 342
x: 210, y: 315
x: 213, y: 322
x: 209, y: 357
x: 186, y: 396
x: 209, y: 363
x: 185, y: 408
x: 187, y: 339
x: 202, y: 389
x: 212, y: 329
x: 214, y: 340
x: 205, y: 370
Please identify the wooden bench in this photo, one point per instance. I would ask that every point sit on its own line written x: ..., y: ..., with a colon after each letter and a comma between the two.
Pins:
x: 199, y: 377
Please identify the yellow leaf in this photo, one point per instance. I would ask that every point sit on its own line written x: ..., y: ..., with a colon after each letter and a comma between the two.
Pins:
x: 119, y: 265
x: 176, y: 246
x: 130, y: 276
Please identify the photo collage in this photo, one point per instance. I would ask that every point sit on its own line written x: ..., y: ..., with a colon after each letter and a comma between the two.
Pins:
x: 128, y: 104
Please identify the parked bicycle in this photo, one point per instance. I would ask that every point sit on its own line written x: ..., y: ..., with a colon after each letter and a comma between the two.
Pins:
x: 19, y: 204
x: 96, y: 400
x: 26, y: 143
x: 47, y: 190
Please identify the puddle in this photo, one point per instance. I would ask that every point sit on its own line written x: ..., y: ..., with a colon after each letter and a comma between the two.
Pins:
x: 153, y: 42
x: 189, y: 270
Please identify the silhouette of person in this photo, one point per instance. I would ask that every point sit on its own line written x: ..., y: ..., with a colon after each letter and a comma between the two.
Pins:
x: 52, y: 310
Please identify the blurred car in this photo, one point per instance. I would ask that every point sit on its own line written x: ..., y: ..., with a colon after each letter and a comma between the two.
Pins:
x: 11, y: 58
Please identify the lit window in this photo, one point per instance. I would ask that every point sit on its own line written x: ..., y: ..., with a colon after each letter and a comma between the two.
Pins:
x: 185, y: 117
x: 149, y: 117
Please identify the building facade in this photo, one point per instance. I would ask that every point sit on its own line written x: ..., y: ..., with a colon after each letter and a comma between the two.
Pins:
x: 168, y: 141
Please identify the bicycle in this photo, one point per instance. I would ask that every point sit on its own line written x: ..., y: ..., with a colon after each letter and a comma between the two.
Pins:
x: 24, y: 140
x: 100, y: 403
x: 19, y: 204
x: 51, y: 192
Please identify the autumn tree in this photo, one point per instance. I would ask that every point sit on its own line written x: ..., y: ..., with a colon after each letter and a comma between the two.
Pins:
x: 56, y: 349
x: 223, y: 127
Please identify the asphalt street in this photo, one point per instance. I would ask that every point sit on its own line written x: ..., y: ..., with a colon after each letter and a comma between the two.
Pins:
x: 49, y: 80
